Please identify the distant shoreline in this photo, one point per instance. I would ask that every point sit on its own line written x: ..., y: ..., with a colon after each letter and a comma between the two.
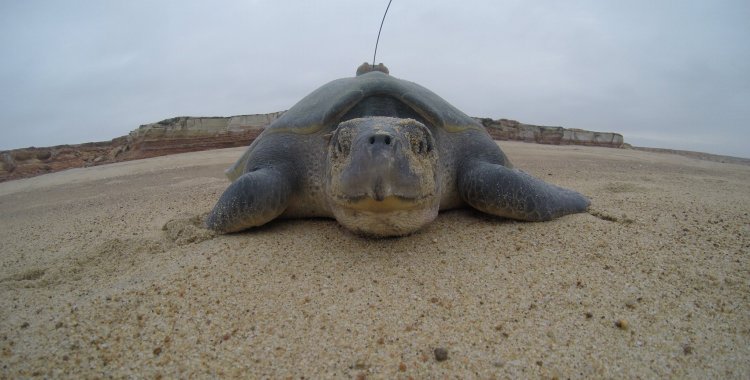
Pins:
x: 699, y: 155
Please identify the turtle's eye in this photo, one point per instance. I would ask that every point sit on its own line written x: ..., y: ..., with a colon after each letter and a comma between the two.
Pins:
x: 341, y: 145
x: 419, y: 137
x: 424, y: 146
x: 421, y: 144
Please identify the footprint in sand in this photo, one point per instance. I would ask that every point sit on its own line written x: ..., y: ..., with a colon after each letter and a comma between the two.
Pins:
x: 184, y: 231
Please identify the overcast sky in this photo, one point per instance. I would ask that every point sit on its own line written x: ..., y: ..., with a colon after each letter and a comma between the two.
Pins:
x: 673, y: 74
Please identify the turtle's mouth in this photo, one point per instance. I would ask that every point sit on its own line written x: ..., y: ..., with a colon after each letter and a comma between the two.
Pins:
x: 385, y: 204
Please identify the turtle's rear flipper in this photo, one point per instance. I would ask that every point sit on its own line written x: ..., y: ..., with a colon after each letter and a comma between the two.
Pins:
x: 254, y: 199
x: 511, y: 193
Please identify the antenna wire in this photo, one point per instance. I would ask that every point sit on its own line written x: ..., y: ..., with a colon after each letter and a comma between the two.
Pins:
x: 379, y: 30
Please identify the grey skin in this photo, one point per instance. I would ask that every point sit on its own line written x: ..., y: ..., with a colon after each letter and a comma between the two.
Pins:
x: 381, y: 155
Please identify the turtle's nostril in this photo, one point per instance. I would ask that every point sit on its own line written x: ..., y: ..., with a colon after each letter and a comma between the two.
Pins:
x: 379, y: 139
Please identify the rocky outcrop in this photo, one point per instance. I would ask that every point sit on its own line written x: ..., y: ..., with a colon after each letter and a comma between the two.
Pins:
x: 504, y: 129
x: 170, y: 136
x: 29, y: 162
x: 188, y: 134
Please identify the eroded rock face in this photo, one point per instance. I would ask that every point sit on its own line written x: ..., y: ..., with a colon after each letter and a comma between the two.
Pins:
x: 189, y: 134
x: 29, y: 162
x: 170, y: 136
x: 504, y: 129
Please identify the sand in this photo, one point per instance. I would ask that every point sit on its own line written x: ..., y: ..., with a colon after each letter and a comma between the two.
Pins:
x: 105, y: 272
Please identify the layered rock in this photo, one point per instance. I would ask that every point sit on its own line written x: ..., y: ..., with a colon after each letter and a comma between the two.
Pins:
x: 504, y: 129
x: 188, y: 134
x: 170, y: 136
x: 29, y: 162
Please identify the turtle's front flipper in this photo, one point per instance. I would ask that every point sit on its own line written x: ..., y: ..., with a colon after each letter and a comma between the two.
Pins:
x: 254, y: 199
x: 511, y: 193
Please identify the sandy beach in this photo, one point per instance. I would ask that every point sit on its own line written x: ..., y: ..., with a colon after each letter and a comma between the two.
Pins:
x: 106, y: 272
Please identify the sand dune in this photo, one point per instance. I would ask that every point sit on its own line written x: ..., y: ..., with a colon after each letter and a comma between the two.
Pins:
x: 105, y: 271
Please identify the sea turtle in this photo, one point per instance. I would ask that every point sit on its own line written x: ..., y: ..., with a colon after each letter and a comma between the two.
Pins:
x: 381, y: 155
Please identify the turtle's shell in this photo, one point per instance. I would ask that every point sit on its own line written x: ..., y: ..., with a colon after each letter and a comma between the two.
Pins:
x: 329, y: 103
x: 325, y: 108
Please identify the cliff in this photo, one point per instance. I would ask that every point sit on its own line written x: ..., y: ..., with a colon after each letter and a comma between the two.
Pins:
x: 504, y: 129
x: 29, y: 162
x: 188, y: 134
x: 170, y: 136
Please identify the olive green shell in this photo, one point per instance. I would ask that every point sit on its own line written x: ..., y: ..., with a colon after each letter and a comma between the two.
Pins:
x: 324, y: 108
x: 327, y: 104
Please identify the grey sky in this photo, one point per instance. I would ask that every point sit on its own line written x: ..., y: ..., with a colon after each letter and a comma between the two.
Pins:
x: 671, y: 74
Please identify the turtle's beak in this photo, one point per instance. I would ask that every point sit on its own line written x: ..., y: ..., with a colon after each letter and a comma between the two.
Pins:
x: 379, y: 169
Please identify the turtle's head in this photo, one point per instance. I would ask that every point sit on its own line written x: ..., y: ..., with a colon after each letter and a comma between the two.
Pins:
x: 382, y: 175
